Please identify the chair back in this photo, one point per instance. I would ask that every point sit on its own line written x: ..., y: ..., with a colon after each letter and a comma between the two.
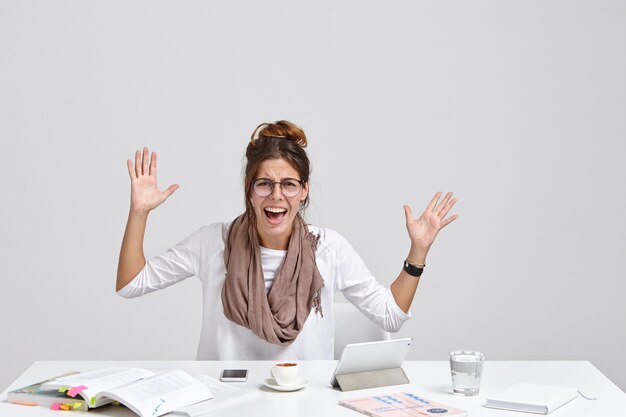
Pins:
x: 351, y: 326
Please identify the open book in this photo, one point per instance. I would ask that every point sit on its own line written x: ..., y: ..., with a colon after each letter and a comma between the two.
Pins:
x: 34, y: 395
x: 145, y: 392
x: 226, y: 395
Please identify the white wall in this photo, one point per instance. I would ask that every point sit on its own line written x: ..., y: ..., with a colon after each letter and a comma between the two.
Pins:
x: 517, y: 107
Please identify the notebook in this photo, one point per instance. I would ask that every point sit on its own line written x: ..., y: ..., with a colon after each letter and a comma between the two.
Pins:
x: 401, y: 404
x: 532, y: 398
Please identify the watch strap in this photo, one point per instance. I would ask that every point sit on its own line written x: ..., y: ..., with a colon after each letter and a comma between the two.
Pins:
x: 413, y: 270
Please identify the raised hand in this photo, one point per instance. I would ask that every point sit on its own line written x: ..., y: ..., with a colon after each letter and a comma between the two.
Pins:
x: 424, y: 229
x: 145, y: 195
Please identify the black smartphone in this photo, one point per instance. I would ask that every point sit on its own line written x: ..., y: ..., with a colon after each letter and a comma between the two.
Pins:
x: 234, y: 375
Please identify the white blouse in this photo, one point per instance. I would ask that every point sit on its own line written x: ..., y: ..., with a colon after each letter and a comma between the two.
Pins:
x: 202, y: 254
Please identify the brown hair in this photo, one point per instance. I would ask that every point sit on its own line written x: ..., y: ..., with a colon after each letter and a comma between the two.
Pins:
x: 279, y: 140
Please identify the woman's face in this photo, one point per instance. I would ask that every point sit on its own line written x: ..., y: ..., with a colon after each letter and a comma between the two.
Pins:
x: 276, y: 212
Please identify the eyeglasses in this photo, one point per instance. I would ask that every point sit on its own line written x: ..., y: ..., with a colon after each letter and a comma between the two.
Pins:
x: 290, y: 187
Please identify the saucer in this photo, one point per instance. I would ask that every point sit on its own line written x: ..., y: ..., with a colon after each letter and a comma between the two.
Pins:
x: 298, y: 384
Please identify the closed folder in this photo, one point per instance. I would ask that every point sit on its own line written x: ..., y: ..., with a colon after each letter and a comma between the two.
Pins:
x: 532, y: 398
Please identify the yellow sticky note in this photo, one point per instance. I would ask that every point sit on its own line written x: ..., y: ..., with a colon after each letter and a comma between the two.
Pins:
x: 92, y: 401
x: 64, y: 389
x: 77, y: 405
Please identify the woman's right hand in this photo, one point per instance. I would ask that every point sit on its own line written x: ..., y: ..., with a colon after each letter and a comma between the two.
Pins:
x: 145, y: 195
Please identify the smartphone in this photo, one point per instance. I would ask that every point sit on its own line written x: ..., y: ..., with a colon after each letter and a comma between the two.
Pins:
x: 234, y: 375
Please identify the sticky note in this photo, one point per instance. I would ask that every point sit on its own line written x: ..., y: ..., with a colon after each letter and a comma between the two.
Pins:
x: 64, y: 407
x: 77, y: 405
x: 55, y: 406
x: 76, y: 390
x: 92, y: 400
x: 24, y: 403
x: 64, y: 389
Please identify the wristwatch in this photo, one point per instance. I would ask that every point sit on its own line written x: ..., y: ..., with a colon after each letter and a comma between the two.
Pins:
x: 413, y: 270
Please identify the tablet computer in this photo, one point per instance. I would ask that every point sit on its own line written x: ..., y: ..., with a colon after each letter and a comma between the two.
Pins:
x: 372, y: 356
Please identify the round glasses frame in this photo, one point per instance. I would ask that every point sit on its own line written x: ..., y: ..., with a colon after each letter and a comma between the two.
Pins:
x: 258, y: 184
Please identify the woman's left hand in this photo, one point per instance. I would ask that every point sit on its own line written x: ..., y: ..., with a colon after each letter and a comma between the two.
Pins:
x: 424, y: 229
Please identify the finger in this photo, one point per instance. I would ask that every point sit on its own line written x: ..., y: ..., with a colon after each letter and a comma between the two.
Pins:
x: 170, y: 190
x: 144, y: 162
x: 442, y: 204
x: 131, y: 170
x: 447, y: 208
x: 449, y: 220
x: 433, y: 202
x: 153, y: 164
x: 408, y: 213
x: 138, y: 163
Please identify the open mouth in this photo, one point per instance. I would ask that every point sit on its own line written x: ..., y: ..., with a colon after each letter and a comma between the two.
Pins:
x: 275, y: 215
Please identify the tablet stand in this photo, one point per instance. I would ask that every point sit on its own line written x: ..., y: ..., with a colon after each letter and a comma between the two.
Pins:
x: 371, y: 379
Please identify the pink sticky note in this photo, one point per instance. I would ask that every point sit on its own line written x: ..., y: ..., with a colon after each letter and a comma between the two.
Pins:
x: 76, y: 390
x: 55, y: 406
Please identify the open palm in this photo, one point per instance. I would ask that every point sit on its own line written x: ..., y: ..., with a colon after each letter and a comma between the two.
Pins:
x: 425, y: 228
x: 145, y: 195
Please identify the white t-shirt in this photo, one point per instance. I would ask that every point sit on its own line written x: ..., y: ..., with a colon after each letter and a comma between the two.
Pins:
x: 202, y: 254
x: 270, y: 261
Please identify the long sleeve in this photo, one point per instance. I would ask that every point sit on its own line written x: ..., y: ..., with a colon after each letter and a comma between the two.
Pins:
x: 180, y: 262
x: 362, y: 289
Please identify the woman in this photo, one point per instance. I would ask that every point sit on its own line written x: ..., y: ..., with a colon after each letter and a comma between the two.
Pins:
x: 268, y: 279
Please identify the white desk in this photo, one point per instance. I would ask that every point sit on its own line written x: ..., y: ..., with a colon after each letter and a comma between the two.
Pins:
x: 429, y: 379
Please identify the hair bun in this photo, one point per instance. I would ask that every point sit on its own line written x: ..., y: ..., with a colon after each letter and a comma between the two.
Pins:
x: 280, y: 129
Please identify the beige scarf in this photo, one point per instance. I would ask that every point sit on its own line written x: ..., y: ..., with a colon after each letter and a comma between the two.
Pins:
x: 277, y: 316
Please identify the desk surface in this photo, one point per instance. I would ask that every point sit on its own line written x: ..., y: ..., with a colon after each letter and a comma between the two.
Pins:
x: 429, y: 379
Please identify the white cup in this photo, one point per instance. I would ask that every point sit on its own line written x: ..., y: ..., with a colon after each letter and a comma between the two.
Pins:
x: 285, y: 373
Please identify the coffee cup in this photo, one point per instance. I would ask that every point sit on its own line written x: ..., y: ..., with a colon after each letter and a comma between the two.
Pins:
x: 285, y: 373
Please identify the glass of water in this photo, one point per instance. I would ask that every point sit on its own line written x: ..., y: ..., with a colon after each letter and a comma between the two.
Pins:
x: 467, y: 368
